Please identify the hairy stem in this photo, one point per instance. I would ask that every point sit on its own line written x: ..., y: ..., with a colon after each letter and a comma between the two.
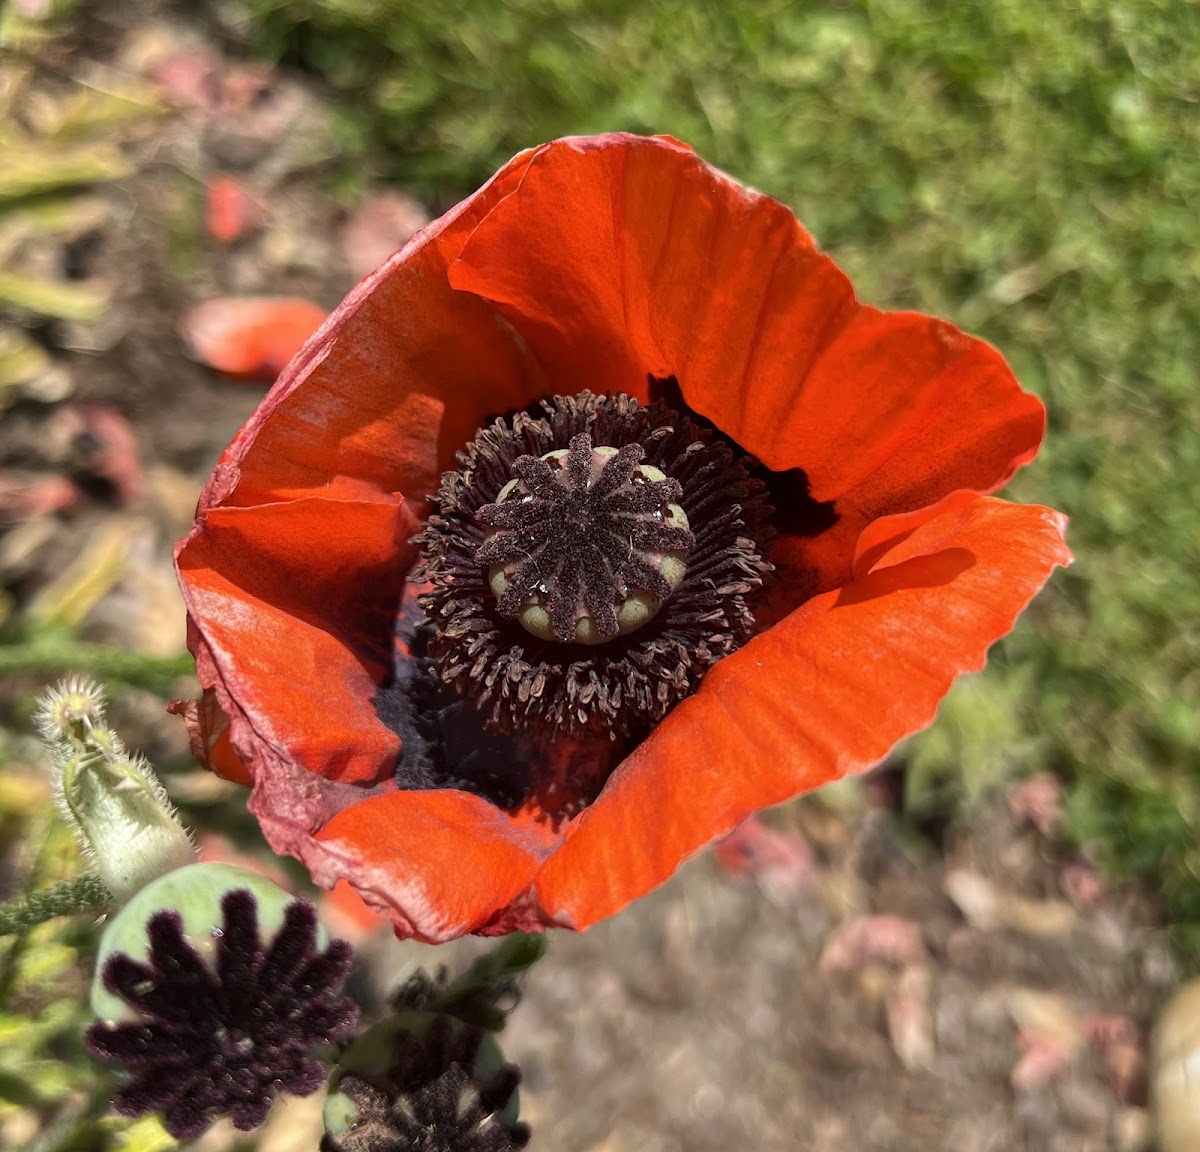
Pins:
x: 80, y: 894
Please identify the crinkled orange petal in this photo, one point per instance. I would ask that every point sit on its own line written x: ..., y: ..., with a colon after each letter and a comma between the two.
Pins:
x: 349, y: 915
x: 293, y: 605
x: 570, y: 258
x: 247, y: 336
x: 208, y: 735
x: 624, y: 256
x: 908, y: 409
x: 397, y: 381
x: 827, y: 691
x: 439, y: 863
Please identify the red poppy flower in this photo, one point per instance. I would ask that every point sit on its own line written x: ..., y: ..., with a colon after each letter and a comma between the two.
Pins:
x: 709, y: 533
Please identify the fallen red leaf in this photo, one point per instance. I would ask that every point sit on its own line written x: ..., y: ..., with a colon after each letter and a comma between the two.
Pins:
x: 872, y: 939
x: 1038, y: 801
x: 189, y: 80
x: 1044, y: 1056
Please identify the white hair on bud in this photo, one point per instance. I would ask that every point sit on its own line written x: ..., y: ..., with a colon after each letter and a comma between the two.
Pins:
x: 126, y: 825
x: 72, y: 706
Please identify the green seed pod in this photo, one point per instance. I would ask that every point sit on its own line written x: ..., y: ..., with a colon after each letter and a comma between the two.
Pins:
x: 194, y: 892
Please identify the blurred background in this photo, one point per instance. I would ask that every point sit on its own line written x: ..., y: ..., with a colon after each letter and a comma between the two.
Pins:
x: 965, y: 949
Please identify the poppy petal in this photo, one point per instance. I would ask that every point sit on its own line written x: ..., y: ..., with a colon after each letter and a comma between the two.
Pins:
x: 827, y: 691
x: 933, y: 411
x: 230, y: 212
x: 348, y: 915
x: 249, y: 337
x: 208, y: 729
x: 438, y: 863
x: 401, y: 376
x: 579, y: 293
x: 293, y: 605
x: 624, y: 257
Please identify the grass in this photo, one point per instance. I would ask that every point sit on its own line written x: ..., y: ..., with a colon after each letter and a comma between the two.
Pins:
x: 1028, y: 168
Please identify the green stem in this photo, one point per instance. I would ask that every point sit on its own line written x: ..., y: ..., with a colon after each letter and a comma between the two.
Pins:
x: 488, y: 990
x: 49, y: 655
x: 80, y: 894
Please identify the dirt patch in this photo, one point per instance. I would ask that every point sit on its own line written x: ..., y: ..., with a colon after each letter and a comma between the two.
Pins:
x: 703, y: 1018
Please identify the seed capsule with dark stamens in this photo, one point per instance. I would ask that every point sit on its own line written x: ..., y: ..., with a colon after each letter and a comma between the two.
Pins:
x: 586, y: 566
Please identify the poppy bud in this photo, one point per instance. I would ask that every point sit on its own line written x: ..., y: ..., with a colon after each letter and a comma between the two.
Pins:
x: 119, y: 811
x: 428, y: 1075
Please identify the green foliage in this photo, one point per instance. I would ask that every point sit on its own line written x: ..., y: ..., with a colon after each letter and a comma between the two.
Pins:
x: 49, y: 650
x: 1022, y: 167
x: 983, y: 727
x: 486, y: 992
x: 81, y: 894
x: 47, y: 1083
